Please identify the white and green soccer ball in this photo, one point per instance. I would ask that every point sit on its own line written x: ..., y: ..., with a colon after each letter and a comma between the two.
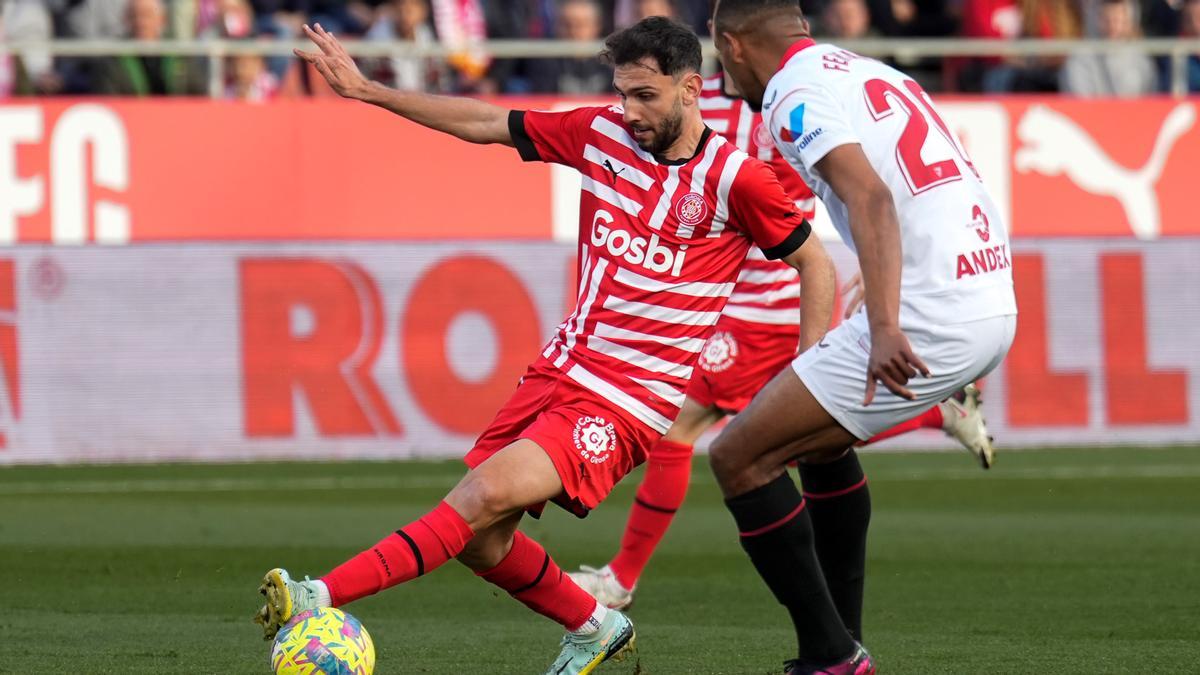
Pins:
x: 323, y: 641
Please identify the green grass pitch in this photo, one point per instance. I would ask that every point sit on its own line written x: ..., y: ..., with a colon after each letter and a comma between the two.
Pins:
x: 1083, y: 561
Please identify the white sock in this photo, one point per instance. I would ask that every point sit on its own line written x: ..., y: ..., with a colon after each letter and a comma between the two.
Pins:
x: 323, y: 599
x: 949, y: 416
x: 593, y: 622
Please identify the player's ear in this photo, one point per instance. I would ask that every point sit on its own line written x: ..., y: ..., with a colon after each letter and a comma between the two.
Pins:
x: 736, y: 50
x: 692, y: 83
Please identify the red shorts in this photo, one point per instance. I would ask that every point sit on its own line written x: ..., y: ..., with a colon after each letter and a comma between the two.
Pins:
x: 591, y: 441
x: 738, y: 360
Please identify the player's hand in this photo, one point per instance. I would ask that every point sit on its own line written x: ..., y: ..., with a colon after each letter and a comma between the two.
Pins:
x: 892, y: 363
x: 857, y: 293
x: 334, y: 64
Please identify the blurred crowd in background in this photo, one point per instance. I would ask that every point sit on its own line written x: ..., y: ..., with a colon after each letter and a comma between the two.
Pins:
x: 467, y: 24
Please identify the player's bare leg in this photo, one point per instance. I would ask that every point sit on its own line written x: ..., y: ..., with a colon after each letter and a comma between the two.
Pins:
x: 477, y: 524
x: 660, y: 494
x: 749, y: 458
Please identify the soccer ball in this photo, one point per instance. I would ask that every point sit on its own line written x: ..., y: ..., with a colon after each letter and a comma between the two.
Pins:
x: 324, y: 641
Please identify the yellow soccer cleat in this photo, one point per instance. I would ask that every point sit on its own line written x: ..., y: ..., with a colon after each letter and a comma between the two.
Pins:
x: 285, y: 598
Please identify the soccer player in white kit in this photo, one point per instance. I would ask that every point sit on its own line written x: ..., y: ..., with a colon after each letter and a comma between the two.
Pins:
x: 940, y: 310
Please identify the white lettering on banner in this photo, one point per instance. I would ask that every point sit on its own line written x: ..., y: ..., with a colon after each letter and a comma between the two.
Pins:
x: 19, y: 125
x: 1052, y: 144
x: 651, y: 254
x: 84, y: 128
x: 203, y: 359
x: 83, y: 131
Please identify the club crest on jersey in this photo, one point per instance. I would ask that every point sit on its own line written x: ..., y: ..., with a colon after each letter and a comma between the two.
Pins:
x: 596, y: 439
x: 720, y: 351
x: 762, y: 136
x: 691, y: 209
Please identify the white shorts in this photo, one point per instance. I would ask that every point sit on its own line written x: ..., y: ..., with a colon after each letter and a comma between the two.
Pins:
x: 835, y: 370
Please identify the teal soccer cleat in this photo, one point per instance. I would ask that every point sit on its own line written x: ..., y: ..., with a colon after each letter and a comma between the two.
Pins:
x: 581, y: 654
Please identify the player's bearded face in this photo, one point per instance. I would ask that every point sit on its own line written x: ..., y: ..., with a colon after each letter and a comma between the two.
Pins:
x: 664, y: 134
x: 653, y: 104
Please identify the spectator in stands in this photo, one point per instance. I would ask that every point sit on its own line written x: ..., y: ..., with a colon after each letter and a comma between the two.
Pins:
x: 1121, y: 71
x: 235, y: 19
x: 628, y: 12
x: 581, y: 21
x: 1162, y: 17
x: 8, y: 68
x: 845, y: 20
x: 647, y: 8
x: 1045, y: 19
x: 339, y: 16
x: 913, y: 18
x: 916, y: 18
x: 1188, y: 27
x: 248, y: 79
x: 91, y: 19
x: 988, y: 20
x: 135, y: 75
x: 516, y: 20
x: 33, y: 71
x: 405, y: 21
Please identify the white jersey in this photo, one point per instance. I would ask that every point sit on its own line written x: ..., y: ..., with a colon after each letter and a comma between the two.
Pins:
x: 956, y: 258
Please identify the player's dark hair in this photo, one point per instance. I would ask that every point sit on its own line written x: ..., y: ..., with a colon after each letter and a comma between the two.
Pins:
x: 736, y: 15
x: 672, y: 44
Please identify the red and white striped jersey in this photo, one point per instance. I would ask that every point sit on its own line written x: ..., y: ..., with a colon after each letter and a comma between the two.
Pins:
x: 660, y: 246
x: 767, y: 291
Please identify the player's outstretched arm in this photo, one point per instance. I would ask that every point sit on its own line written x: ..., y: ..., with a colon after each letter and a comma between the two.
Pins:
x: 465, y: 118
x: 876, y: 231
x: 818, y: 284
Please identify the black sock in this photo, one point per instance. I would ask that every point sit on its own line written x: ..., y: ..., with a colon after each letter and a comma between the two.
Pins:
x: 778, y: 536
x: 839, y: 505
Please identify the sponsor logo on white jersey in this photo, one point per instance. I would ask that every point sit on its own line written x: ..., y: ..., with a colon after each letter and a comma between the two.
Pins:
x: 650, y: 254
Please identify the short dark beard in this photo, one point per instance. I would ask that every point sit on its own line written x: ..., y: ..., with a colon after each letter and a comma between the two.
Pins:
x: 668, y: 132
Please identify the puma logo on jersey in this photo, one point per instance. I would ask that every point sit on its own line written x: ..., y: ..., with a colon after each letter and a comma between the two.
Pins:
x: 650, y: 254
x: 609, y: 165
x: 1053, y: 144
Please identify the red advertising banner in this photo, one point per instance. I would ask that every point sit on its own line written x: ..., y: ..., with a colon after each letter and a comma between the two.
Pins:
x: 115, y: 172
x: 253, y: 351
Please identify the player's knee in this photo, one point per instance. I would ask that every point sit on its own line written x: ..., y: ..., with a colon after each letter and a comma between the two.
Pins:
x: 481, y: 500
x: 725, y: 461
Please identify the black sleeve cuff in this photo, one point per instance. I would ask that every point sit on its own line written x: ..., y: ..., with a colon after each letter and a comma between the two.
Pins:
x: 520, y: 137
x: 794, y: 241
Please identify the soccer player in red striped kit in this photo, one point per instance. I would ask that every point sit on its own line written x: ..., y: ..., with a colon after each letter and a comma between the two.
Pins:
x: 668, y: 212
x: 757, y: 336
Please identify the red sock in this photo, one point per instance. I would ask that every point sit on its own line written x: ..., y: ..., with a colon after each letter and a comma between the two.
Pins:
x: 529, y: 575
x: 668, y: 469
x: 413, y: 550
x: 930, y: 419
